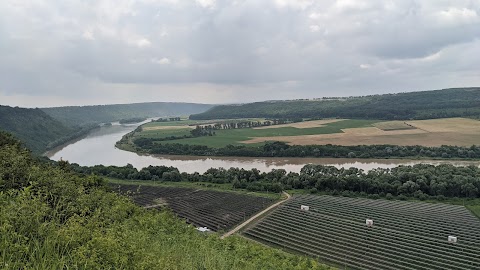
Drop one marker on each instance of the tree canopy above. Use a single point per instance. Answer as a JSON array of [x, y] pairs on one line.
[[459, 102]]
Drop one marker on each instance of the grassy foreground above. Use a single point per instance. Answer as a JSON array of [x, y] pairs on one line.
[[51, 218]]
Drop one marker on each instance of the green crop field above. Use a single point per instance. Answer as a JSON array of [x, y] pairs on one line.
[[237, 136], [405, 235]]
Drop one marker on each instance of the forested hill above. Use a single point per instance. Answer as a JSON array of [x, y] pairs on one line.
[[33, 127], [82, 115], [455, 102]]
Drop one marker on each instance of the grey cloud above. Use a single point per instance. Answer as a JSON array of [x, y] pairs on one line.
[[82, 49]]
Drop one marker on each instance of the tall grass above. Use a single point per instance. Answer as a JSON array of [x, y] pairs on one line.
[[51, 218]]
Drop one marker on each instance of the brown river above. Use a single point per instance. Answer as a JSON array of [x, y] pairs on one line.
[[99, 148]]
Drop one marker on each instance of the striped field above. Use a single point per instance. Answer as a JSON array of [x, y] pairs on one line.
[[405, 235]]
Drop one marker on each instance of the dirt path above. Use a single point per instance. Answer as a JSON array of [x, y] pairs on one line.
[[236, 229]]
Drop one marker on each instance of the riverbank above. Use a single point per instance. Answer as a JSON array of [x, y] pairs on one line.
[[98, 147]]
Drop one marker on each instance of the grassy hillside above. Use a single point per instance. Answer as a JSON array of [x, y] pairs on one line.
[[33, 127], [459, 102], [82, 115], [51, 218]]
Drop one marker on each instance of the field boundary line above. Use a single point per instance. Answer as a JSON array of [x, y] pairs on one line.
[[248, 221], [154, 206]]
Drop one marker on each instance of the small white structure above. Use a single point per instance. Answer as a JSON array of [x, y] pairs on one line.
[[452, 239], [304, 207], [203, 229], [369, 222]]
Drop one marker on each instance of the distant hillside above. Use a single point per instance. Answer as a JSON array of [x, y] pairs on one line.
[[33, 127], [458, 102], [82, 115]]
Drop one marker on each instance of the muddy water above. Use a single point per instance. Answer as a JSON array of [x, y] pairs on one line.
[[99, 148]]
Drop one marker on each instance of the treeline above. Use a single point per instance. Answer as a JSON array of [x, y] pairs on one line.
[[199, 131], [132, 120], [420, 181], [33, 127], [54, 218], [80, 132], [459, 102], [235, 124], [281, 149], [170, 119], [83, 115]]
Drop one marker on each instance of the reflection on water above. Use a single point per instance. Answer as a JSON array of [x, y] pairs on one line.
[[99, 148]]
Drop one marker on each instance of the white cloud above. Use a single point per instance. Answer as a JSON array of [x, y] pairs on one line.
[[261, 50], [88, 35], [432, 57], [365, 66], [162, 61], [315, 15], [295, 4], [350, 5], [143, 43], [458, 16], [314, 28], [206, 3]]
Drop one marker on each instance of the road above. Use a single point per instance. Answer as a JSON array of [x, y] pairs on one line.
[[239, 227]]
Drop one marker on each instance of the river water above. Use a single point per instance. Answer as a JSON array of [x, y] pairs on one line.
[[99, 148]]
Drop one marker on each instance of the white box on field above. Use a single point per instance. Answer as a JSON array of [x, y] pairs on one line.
[[452, 239], [369, 222], [304, 207], [203, 229]]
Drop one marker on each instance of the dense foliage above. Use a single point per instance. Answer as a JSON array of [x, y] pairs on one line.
[[420, 181], [37, 130], [53, 218], [82, 115], [462, 102], [281, 149], [132, 120]]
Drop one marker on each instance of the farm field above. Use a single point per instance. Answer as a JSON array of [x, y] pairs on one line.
[[223, 138], [215, 210], [435, 132], [405, 235]]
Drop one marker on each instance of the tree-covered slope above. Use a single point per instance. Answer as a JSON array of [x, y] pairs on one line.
[[82, 115], [33, 127], [52, 218], [458, 102]]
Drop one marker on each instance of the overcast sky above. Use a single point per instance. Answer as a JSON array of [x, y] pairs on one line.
[[57, 52]]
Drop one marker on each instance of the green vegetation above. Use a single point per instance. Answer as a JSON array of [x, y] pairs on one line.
[[223, 187], [219, 139], [44, 129], [37, 130], [405, 235], [132, 120], [422, 181], [224, 137], [281, 149], [459, 102], [83, 115], [53, 218], [475, 209]]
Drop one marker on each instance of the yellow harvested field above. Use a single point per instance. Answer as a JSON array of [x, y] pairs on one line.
[[306, 124], [167, 127], [450, 131], [393, 125], [462, 125]]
